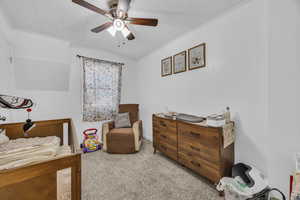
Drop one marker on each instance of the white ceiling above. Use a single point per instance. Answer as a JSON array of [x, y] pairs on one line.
[[66, 20]]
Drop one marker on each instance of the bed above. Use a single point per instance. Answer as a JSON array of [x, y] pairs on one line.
[[56, 178]]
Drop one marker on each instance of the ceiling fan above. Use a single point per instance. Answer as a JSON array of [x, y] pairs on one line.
[[118, 16]]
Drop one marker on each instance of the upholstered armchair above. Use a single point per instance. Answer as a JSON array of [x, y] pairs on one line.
[[123, 140]]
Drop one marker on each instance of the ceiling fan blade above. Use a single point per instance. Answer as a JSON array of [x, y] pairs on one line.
[[102, 27], [124, 5], [142, 21], [90, 7]]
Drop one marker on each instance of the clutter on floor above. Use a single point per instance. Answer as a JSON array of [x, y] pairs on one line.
[[247, 183]]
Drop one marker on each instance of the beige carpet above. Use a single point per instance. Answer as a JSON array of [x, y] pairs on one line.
[[141, 176]]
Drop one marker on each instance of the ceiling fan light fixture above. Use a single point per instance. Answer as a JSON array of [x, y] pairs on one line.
[[119, 19], [125, 32], [112, 31], [119, 24]]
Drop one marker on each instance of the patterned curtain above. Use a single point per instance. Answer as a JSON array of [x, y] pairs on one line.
[[101, 89]]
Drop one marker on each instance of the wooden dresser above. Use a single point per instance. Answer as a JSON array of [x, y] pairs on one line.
[[196, 146]]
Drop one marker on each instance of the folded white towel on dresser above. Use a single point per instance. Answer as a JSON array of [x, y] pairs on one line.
[[228, 134]]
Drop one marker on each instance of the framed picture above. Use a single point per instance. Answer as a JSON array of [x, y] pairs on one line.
[[179, 62], [166, 67], [197, 57]]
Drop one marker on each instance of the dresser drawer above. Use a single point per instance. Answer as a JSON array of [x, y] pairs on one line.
[[208, 137], [200, 166], [167, 149], [155, 122], [199, 150], [169, 138], [167, 125]]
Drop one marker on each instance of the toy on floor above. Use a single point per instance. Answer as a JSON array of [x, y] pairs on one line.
[[90, 141]]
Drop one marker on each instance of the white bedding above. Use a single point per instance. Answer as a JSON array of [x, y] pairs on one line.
[[19, 152]]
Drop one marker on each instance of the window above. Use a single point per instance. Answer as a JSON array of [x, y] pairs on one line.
[[101, 89]]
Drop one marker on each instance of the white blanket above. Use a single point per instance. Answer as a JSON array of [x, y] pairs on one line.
[[19, 152]]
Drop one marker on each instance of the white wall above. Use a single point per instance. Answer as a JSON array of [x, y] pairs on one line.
[[234, 76], [49, 104], [5, 50], [253, 67], [5, 28], [5, 66], [53, 104], [284, 108]]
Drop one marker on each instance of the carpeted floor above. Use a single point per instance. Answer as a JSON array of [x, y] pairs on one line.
[[141, 176]]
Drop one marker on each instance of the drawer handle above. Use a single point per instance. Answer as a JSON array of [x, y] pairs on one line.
[[196, 164], [163, 124], [195, 134], [195, 148], [163, 136]]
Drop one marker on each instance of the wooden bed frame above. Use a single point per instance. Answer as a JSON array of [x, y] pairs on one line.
[[38, 181]]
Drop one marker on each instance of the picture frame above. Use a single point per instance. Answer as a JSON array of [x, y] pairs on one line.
[[197, 57], [179, 62], [166, 66]]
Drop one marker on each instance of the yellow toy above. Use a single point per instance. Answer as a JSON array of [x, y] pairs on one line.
[[90, 141]]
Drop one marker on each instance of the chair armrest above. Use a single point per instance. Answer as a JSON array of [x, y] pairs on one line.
[[138, 134], [110, 125], [106, 128]]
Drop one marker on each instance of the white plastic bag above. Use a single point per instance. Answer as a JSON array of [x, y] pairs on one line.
[[234, 189]]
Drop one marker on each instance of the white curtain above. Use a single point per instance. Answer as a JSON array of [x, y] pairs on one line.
[[101, 89]]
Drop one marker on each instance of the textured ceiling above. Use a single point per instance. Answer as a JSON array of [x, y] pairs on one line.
[[66, 20]]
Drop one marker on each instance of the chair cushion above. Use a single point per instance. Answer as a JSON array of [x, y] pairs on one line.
[[122, 120], [122, 131], [121, 141]]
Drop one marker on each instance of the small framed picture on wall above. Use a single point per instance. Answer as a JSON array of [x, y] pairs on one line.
[[179, 62], [197, 57], [166, 67]]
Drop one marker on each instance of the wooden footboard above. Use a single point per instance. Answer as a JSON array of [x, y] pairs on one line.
[[39, 181]]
